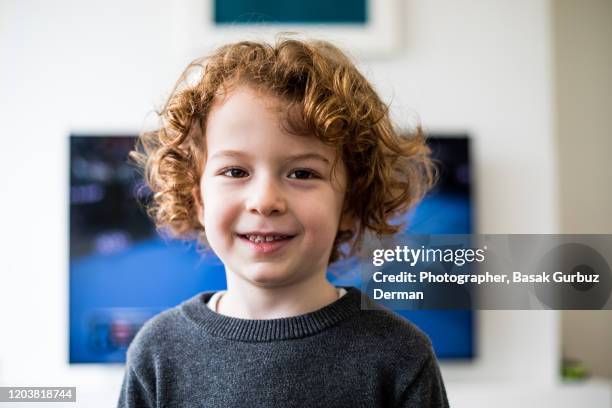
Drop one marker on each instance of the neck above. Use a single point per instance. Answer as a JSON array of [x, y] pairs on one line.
[[247, 301]]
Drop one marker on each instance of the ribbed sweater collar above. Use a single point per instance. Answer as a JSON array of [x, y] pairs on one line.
[[234, 328]]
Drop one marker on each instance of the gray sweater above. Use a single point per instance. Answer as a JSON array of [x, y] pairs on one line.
[[337, 356]]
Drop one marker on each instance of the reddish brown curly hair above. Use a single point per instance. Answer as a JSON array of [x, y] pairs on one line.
[[387, 173]]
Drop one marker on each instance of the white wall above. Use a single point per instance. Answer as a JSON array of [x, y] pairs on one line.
[[480, 66], [583, 83], [484, 67]]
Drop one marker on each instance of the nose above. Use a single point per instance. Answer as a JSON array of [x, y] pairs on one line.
[[266, 197]]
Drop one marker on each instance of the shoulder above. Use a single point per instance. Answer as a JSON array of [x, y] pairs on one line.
[[162, 335], [392, 330], [150, 337], [400, 353], [386, 339]]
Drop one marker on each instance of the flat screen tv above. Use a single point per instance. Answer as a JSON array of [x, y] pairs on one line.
[[122, 272]]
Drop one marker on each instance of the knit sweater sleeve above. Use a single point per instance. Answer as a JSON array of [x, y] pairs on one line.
[[427, 389], [134, 393]]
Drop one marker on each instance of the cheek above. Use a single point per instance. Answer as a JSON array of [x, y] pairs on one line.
[[219, 214], [321, 221]]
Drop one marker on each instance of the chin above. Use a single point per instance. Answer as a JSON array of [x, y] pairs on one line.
[[267, 278]]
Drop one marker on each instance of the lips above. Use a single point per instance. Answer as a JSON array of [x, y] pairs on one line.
[[266, 242], [265, 238]]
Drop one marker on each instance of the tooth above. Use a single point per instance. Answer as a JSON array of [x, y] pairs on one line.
[[260, 238]]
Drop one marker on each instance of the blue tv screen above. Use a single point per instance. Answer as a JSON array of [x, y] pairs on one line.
[[122, 272]]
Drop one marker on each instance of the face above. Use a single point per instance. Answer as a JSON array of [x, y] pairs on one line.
[[271, 205]]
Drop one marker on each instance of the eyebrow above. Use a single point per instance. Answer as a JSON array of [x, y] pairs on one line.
[[227, 153], [239, 154]]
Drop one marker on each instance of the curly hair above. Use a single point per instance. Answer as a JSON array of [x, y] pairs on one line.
[[387, 172]]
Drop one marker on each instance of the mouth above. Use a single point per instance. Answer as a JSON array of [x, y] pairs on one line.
[[265, 237], [265, 243]]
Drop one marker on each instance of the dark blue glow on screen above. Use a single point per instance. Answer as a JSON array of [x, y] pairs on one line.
[[122, 273]]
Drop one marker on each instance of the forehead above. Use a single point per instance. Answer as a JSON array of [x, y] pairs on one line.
[[246, 119]]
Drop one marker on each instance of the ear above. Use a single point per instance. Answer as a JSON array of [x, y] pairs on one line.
[[197, 199]]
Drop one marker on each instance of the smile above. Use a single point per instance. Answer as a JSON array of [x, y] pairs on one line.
[[268, 238], [265, 244]]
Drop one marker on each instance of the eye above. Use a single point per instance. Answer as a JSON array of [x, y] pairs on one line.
[[303, 174], [235, 172]]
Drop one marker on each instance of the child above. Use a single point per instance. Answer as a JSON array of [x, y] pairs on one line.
[[280, 158]]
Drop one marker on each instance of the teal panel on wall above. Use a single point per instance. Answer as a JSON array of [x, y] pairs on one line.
[[290, 12]]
